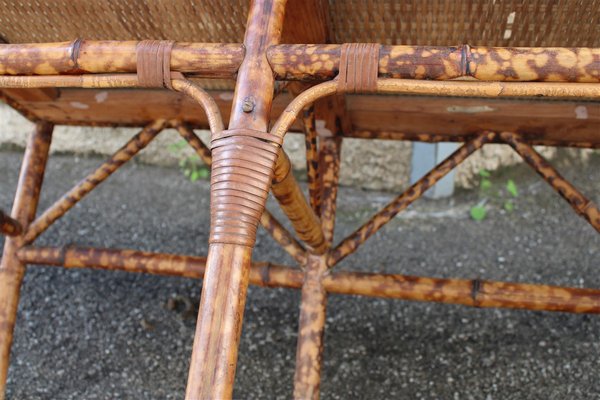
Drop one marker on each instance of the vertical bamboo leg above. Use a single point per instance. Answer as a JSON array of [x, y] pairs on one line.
[[24, 209], [309, 352], [234, 219]]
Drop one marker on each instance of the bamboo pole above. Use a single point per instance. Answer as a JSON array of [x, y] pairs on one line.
[[474, 293], [292, 201], [209, 60], [358, 237], [312, 158], [84, 187], [582, 205], [214, 356], [12, 269], [315, 62], [311, 61]]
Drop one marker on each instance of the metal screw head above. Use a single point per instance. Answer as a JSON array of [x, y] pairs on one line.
[[248, 104]]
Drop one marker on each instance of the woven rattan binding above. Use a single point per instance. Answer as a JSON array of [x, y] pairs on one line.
[[242, 170], [359, 64], [154, 63]]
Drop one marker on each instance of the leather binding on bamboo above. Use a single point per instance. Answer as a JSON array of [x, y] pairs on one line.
[[359, 63], [154, 63], [242, 170]]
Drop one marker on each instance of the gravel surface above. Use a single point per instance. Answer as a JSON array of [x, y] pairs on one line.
[[84, 334]]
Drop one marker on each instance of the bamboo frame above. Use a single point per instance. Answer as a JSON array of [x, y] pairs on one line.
[[569, 73], [472, 293]]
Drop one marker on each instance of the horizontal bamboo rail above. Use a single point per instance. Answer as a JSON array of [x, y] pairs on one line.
[[321, 62], [446, 88], [475, 293], [9, 226], [209, 60], [311, 61]]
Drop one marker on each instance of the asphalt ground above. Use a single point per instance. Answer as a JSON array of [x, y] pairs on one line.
[[89, 334]]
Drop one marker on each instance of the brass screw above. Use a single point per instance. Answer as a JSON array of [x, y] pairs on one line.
[[248, 104]]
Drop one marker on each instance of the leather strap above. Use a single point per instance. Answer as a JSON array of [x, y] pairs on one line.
[[359, 65], [154, 63]]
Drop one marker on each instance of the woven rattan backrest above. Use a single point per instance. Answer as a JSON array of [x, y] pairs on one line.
[[570, 23], [532, 23]]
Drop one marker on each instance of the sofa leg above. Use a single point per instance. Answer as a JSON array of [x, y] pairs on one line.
[[12, 269]]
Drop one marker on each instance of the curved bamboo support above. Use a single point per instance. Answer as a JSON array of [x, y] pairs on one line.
[[468, 292], [208, 60], [215, 121], [446, 88]]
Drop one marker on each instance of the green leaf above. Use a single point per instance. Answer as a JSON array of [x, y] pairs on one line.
[[509, 205], [478, 212], [485, 184], [484, 173], [194, 176], [187, 172], [512, 188], [203, 173]]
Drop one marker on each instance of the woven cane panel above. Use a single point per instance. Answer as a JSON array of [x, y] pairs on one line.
[[32, 21], [528, 23]]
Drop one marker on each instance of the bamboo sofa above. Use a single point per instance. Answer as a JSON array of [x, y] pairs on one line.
[[398, 70]]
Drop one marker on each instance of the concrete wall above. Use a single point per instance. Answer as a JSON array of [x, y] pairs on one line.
[[373, 164]]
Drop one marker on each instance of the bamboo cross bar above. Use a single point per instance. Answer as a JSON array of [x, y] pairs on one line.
[[67, 201], [474, 293], [311, 61], [100, 57], [320, 62]]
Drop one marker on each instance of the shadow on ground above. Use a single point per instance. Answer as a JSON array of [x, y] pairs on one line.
[[85, 334]]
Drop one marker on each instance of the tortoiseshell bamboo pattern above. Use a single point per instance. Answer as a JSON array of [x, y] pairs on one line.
[[321, 62], [12, 269], [80, 56], [297, 61], [473, 293], [214, 354], [312, 158], [73, 196], [352, 242], [9, 226], [582, 205]]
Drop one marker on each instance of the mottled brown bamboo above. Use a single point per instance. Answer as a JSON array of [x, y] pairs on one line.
[[312, 158], [352, 242], [270, 223], [214, 356], [73, 196], [311, 61], [293, 203], [9, 226], [12, 269], [474, 293], [208, 60], [581, 204], [322, 62], [330, 151], [311, 328]]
